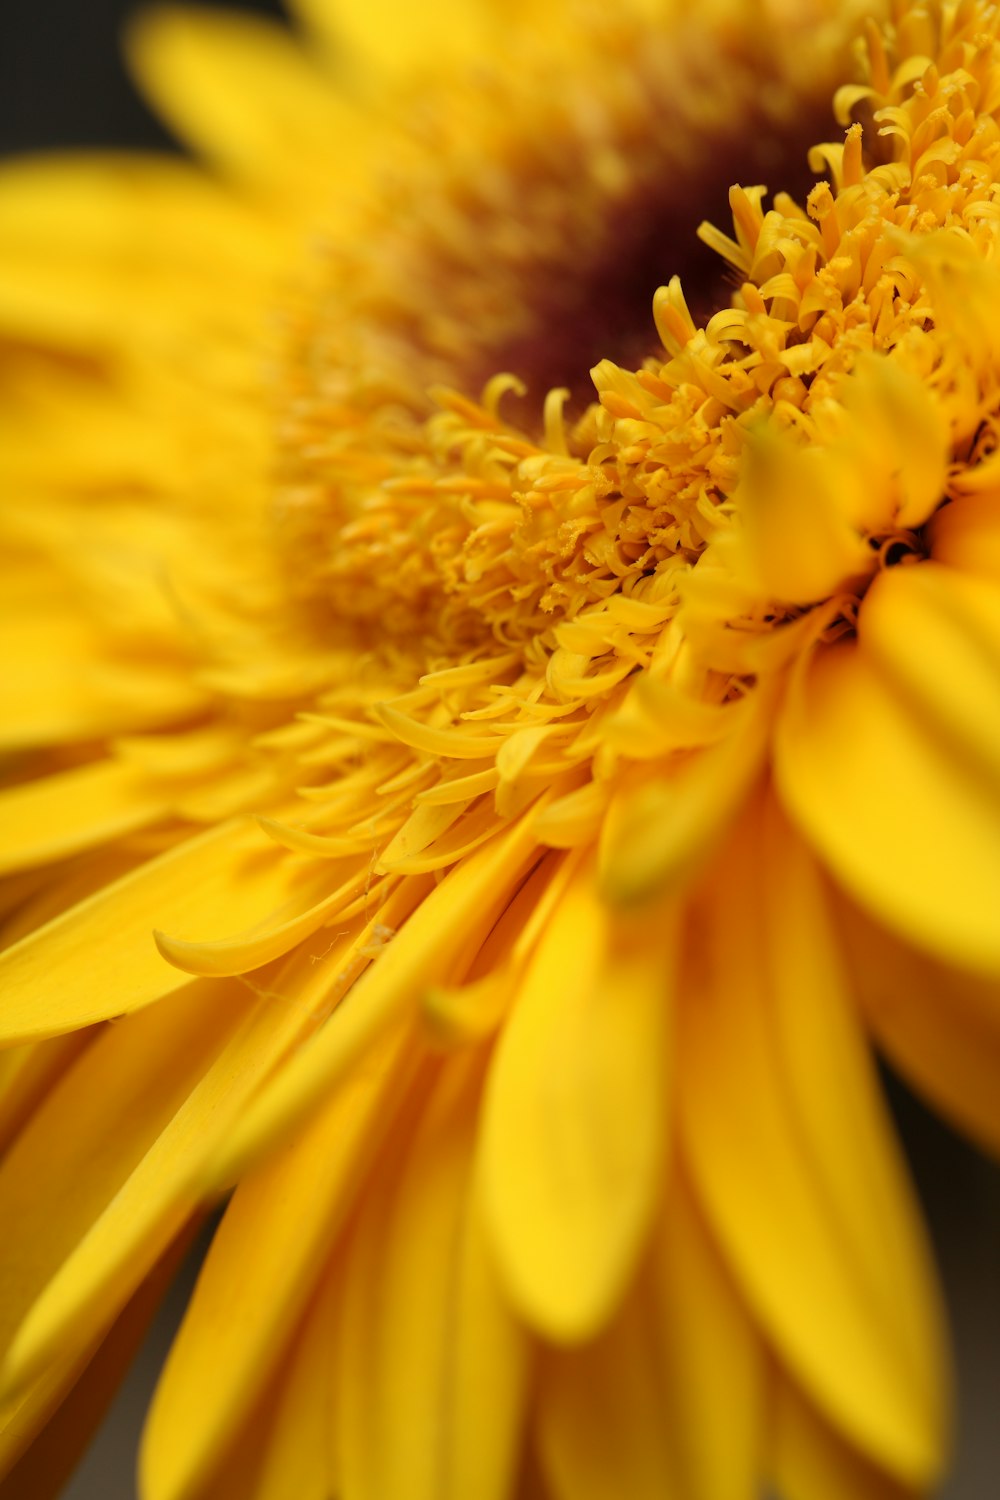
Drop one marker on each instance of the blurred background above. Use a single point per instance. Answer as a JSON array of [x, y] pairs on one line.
[[62, 84]]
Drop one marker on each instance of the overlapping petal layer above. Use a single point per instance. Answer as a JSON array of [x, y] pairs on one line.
[[548, 794]]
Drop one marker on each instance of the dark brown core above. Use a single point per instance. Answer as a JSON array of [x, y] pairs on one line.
[[539, 213]]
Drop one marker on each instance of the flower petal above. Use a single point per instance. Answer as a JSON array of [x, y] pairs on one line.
[[935, 635], [452, 917], [259, 1273], [119, 1097], [298, 1454], [890, 808], [966, 534], [639, 1411], [58, 815], [432, 1386], [82, 1390], [61, 686], [239, 88], [575, 1117], [395, 37], [793, 1159], [940, 1026], [99, 959], [810, 1461]]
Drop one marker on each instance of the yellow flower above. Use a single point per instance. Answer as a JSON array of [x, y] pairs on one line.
[[538, 800]]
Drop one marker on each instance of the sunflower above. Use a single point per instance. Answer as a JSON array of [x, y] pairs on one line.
[[482, 812]]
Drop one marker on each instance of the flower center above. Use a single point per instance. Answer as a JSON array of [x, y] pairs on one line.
[[525, 229]]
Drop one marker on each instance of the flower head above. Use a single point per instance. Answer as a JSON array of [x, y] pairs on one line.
[[540, 784]]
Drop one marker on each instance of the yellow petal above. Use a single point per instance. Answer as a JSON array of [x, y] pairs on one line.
[[940, 1026], [292, 922], [576, 1113], [841, 1114], [299, 1455], [935, 636], [240, 89], [799, 541], [131, 211], [639, 1411], [393, 37], [28, 1073], [129, 1231], [105, 251], [99, 958], [90, 1135], [899, 442], [69, 1404], [775, 1156], [606, 1426], [711, 1353], [658, 832], [59, 815], [448, 919], [60, 686], [259, 1273], [432, 1378], [966, 534], [893, 811], [810, 1461]]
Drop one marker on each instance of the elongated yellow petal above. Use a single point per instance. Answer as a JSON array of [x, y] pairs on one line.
[[639, 1412], [657, 833], [120, 1239], [605, 1423], [300, 1455], [27, 1073], [99, 958], [767, 1147], [120, 1096], [842, 1117], [259, 1273], [60, 687], [966, 534], [238, 88], [935, 635], [60, 815], [131, 212], [711, 1353], [272, 937], [393, 37], [44, 1468], [432, 1386], [105, 251], [940, 1026], [810, 1461], [890, 808], [452, 917], [574, 1129], [799, 541], [43, 1430]]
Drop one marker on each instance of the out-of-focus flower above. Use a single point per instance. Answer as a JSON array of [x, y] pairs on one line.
[[538, 800]]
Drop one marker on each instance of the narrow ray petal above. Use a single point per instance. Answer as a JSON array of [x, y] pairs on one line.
[[939, 1025], [240, 90], [810, 1461], [59, 815], [99, 958], [259, 1273], [890, 808], [767, 1151], [432, 1387], [451, 918], [574, 1128]]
